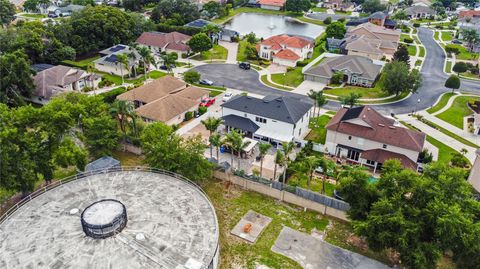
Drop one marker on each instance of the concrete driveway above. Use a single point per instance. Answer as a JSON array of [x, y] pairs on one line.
[[312, 253]]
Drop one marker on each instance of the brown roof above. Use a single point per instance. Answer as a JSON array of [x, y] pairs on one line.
[[377, 128], [154, 90], [278, 41], [278, 3], [192, 93], [376, 31], [381, 155], [166, 108], [52, 80], [469, 13], [174, 40]]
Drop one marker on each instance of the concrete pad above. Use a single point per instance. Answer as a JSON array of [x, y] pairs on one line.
[[305, 87], [258, 223], [276, 69], [312, 253]]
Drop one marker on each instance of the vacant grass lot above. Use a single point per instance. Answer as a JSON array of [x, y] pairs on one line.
[[117, 80], [318, 133], [459, 109], [292, 78], [441, 103], [216, 53]]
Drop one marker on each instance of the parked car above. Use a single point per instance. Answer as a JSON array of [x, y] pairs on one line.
[[207, 102], [227, 96], [244, 65], [456, 41], [205, 82]]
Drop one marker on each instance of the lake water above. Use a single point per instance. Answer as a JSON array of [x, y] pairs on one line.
[[268, 25]]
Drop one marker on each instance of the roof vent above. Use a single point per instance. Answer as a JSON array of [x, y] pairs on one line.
[[381, 125]]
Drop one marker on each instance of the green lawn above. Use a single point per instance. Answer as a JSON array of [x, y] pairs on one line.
[[291, 78], [469, 75], [117, 80], [451, 134], [436, 35], [232, 203], [464, 53], [33, 15], [418, 62], [266, 82], [403, 36], [216, 53], [315, 185], [318, 133], [443, 101], [455, 114], [82, 64], [448, 67], [421, 53], [218, 88], [412, 50], [375, 92], [447, 36]]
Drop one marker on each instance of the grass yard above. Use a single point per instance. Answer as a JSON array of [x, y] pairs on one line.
[[464, 53], [128, 159], [268, 83], [403, 36], [421, 53], [218, 88], [436, 36], [455, 114], [448, 67], [230, 207], [117, 80], [469, 75], [418, 62], [242, 44], [441, 103], [315, 184], [291, 78], [33, 15], [447, 36], [214, 93], [451, 134], [412, 50], [216, 53], [82, 64], [367, 93], [319, 9], [318, 133]]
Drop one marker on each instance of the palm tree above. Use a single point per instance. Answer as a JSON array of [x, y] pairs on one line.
[[211, 124], [287, 148], [320, 101], [90, 69], [313, 95], [326, 165], [133, 57], [472, 38], [216, 141], [234, 141], [278, 160], [311, 162], [169, 60], [146, 56], [121, 110], [123, 60], [263, 147]]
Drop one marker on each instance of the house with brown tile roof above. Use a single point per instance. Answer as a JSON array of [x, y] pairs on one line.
[[166, 99], [164, 42], [272, 4], [286, 49], [363, 135]]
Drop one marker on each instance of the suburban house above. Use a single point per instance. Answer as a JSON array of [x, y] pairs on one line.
[[378, 18], [356, 70], [166, 100], [339, 5], [362, 135], [425, 3], [371, 41], [419, 12], [273, 119], [51, 80], [108, 62], [286, 49], [63, 11], [224, 34], [165, 42], [271, 4]]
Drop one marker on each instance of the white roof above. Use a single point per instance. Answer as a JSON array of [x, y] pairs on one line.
[[274, 134], [251, 145]]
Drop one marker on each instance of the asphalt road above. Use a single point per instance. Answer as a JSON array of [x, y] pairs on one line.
[[231, 76]]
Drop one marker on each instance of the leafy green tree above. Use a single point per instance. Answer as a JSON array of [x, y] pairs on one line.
[[402, 54], [460, 67], [181, 11], [251, 52], [471, 36], [31, 5], [297, 6], [169, 60], [327, 20], [101, 135], [337, 77], [234, 140], [166, 150], [216, 141], [453, 82], [200, 42], [326, 165], [350, 99], [211, 124], [147, 58], [16, 82], [123, 111], [400, 15], [7, 12], [371, 6], [263, 148], [398, 78], [191, 76], [287, 149], [279, 159], [336, 30], [251, 38], [311, 163]]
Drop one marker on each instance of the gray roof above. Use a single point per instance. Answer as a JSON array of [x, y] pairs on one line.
[[355, 64], [378, 15], [281, 108], [241, 123], [103, 163], [419, 9]]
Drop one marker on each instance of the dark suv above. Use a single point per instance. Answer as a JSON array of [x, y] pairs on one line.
[[244, 65]]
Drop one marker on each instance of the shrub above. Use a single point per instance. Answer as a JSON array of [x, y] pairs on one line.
[[337, 78], [342, 19], [202, 110], [439, 26], [290, 69], [110, 96], [191, 76], [425, 156], [327, 20], [188, 115], [138, 84], [184, 55], [459, 160], [452, 49], [302, 63], [408, 40], [416, 25]]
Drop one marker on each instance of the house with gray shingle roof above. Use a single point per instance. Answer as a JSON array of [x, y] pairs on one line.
[[419, 12], [357, 70], [272, 119]]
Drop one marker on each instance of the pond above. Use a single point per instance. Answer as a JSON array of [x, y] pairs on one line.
[[268, 25]]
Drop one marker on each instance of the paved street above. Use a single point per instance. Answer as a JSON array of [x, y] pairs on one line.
[[231, 76]]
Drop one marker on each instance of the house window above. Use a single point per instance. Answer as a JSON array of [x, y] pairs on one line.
[[369, 162], [261, 120], [300, 131], [349, 137], [384, 146], [353, 155]]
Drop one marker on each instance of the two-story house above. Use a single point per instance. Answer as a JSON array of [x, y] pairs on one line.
[[109, 63], [272, 119], [363, 135], [159, 42], [286, 49]]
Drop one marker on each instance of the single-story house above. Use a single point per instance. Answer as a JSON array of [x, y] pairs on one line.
[[64, 11], [109, 63], [272, 119], [224, 34], [339, 5], [363, 135], [379, 18], [159, 42], [356, 70], [166, 100], [419, 12], [286, 49], [272, 4], [52, 80]]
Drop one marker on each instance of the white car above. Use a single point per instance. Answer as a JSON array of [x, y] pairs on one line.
[[227, 96]]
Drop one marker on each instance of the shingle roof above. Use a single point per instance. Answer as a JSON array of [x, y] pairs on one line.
[[153, 90], [374, 29], [166, 108], [281, 108], [469, 13], [378, 15], [380, 128], [419, 9], [52, 80], [173, 40], [240, 123], [381, 155], [355, 64]]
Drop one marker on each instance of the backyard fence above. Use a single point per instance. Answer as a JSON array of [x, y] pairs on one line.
[[290, 194]]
